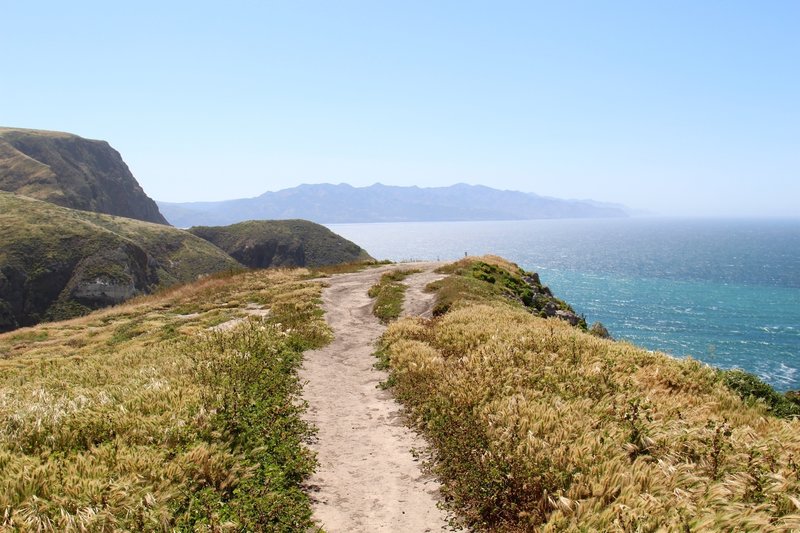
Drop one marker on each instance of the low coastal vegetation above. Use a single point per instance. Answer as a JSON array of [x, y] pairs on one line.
[[389, 294], [346, 268], [753, 390], [178, 411], [536, 425], [181, 411], [491, 278]]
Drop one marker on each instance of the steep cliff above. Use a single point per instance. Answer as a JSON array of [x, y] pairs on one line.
[[71, 171]]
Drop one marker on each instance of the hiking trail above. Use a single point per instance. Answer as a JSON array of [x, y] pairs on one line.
[[368, 479]]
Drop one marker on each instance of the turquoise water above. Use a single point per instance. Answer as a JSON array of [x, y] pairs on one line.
[[724, 291]]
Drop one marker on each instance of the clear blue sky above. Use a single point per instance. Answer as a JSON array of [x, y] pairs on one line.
[[680, 107]]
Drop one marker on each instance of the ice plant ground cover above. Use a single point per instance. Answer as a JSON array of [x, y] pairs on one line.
[[149, 416], [535, 424]]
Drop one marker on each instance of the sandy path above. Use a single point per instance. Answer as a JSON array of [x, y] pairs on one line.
[[367, 479], [417, 301]]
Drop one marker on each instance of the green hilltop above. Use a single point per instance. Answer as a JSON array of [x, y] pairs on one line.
[[274, 243]]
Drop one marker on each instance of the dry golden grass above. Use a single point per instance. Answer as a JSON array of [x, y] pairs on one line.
[[139, 418], [536, 425]]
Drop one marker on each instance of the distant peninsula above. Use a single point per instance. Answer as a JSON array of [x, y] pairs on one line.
[[342, 203]]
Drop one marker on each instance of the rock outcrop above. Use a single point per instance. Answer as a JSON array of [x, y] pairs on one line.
[[74, 172]]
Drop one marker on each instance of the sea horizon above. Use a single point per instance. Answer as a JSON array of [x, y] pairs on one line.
[[721, 290]]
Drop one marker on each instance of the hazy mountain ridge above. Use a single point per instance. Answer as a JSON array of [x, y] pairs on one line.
[[73, 172], [327, 203]]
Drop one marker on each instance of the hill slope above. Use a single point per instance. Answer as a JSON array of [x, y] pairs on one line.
[[57, 262], [270, 243], [133, 419], [71, 171], [535, 425], [129, 419], [327, 203]]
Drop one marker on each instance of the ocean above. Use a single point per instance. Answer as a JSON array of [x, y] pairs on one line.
[[726, 292]]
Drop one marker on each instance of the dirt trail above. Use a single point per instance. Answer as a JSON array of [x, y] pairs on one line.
[[367, 479]]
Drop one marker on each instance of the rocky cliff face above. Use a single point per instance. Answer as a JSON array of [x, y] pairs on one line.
[[104, 272], [56, 263], [74, 172]]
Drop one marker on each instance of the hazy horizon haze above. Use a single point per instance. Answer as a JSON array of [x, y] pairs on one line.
[[677, 108]]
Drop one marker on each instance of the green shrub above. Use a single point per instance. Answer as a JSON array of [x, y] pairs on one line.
[[751, 389]]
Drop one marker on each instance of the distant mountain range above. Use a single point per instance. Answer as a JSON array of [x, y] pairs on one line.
[[326, 203]]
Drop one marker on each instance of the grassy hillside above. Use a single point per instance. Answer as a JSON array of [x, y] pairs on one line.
[[172, 412], [491, 278], [57, 263], [71, 171], [271, 243], [537, 425]]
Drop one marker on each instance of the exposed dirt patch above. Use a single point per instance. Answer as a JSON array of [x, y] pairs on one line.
[[251, 310], [417, 301]]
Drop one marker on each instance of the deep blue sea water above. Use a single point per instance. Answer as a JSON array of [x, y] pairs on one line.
[[726, 292]]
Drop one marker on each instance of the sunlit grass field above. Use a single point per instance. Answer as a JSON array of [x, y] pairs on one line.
[[537, 425], [175, 411], [180, 411]]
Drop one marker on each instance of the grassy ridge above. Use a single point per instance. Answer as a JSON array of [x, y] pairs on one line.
[[39, 231], [492, 278], [389, 293], [536, 425], [276, 243], [140, 417]]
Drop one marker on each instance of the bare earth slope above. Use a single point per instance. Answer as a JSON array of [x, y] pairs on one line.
[[367, 479]]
